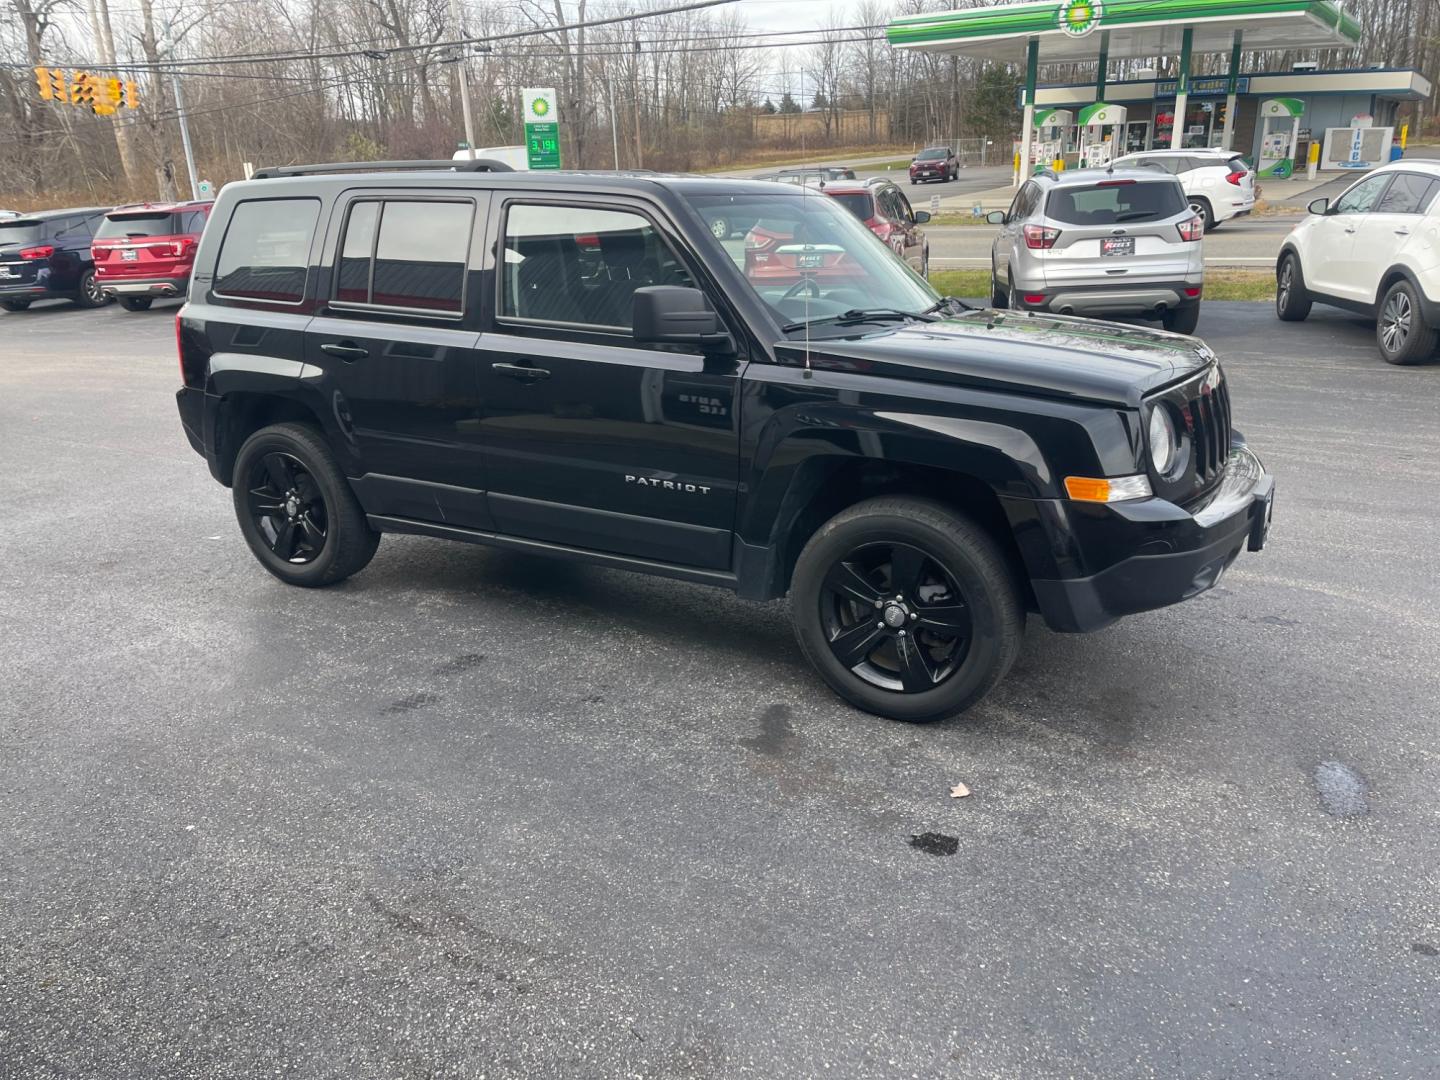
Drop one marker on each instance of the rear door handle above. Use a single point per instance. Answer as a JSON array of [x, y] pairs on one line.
[[1349, 229], [348, 350], [523, 372]]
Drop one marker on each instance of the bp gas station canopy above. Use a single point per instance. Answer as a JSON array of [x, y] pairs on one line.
[[1069, 31]]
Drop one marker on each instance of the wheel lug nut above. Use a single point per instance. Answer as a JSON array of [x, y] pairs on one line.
[[880, 625], [879, 604], [902, 633]]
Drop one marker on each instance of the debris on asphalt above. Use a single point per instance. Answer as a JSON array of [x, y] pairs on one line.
[[959, 791]]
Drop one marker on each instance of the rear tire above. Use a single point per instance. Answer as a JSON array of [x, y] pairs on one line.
[[1401, 331], [14, 305], [1206, 212], [941, 647], [289, 468], [1292, 302], [999, 299], [136, 303], [90, 295], [1181, 320]]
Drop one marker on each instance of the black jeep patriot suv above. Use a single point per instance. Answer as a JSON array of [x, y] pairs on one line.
[[574, 364]]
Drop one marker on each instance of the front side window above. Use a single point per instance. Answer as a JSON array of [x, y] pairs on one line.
[[581, 265], [266, 250], [406, 254], [807, 258], [1407, 194], [1361, 198]]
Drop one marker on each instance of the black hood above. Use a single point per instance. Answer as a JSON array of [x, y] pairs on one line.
[[1054, 355]]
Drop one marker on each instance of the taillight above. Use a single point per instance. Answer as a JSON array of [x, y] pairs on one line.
[[1114, 183], [1234, 178], [1040, 237], [1193, 229], [44, 251], [180, 247], [1192, 292]]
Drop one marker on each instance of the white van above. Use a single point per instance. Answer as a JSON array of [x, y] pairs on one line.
[[514, 156]]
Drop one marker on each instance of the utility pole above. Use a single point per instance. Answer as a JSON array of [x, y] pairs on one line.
[[463, 73], [185, 137], [614, 124]]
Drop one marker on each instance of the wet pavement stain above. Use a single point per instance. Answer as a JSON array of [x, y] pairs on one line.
[[411, 703], [1343, 791], [458, 665], [776, 735], [934, 843], [1424, 949]]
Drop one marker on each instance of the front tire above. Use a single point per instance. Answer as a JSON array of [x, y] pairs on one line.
[[1181, 320], [296, 509], [1401, 331], [906, 608], [1292, 302], [136, 303]]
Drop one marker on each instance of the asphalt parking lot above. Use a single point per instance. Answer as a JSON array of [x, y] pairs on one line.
[[471, 814]]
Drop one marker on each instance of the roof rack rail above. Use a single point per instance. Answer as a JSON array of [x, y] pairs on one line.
[[270, 172], [1047, 171]]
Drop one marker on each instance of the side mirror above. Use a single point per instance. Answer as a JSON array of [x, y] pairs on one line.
[[996, 217], [922, 216], [1319, 206], [675, 315]]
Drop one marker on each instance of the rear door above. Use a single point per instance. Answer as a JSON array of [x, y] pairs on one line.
[[394, 331], [595, 440], [912, 242], [1011, 236], [1116, 228]]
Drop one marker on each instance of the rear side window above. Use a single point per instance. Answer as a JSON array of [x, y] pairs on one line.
[[1116, 201], [857, 202], [266, 250], [121, 226], [406, 254], [1407, 194], [192, 222]]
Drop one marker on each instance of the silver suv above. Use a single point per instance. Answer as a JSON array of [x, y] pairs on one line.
[[1113, 242]]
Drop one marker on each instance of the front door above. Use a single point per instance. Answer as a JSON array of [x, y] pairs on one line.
[[397, 346], [1336, 270], [594, 440], [1389, 225]]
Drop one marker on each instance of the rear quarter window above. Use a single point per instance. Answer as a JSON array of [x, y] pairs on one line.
[[1116, 202], [857, 202], [265, 254]]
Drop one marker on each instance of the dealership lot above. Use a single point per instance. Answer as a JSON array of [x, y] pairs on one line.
[[475, 814]]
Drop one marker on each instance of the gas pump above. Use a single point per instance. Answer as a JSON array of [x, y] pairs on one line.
[[1050, 125], [1100, 125], [1279, 133]]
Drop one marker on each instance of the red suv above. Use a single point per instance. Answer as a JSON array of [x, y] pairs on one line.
[[934, 163], [146, 251], [886, 212]]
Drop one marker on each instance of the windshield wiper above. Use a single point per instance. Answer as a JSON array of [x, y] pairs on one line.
[[1134, 215], [859, 315], [954, 303]]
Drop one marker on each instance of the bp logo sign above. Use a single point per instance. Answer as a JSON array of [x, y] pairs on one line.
[[539, 107], [1078, 17]]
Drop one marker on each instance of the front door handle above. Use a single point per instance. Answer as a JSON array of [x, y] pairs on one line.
[[1402, 232], [1349, 228], [347, 350], [523, 372]]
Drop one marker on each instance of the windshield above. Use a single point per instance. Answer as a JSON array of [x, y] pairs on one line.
[[857, 202], [1112, 202], [809, 259], [151, 223], [20, 232], [931, 153]]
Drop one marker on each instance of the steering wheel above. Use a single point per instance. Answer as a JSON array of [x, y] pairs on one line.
[[803, 283]]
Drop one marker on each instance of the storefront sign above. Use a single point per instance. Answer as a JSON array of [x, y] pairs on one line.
[[1204, 87], [542, 127]]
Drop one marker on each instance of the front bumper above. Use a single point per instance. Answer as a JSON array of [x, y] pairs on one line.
[[1132, 298], [1176, 554]]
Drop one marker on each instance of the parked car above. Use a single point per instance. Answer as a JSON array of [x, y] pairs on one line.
[[886, 212], [1220, 184], [1373, 250], [147, 251], [46, 256], [913, 474], [934, 163], [9, 214], [1101, 242]]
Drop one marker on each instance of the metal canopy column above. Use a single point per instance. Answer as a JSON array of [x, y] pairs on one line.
[[1230, 87], [1100, 72], [1032, 65], [1182, 90]]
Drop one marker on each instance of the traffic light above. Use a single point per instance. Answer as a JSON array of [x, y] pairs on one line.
[[109, 97], [42, 82], [51, 84], [132, 96], [82, 90]]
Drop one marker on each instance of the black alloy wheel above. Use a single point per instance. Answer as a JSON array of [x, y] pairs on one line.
[[288, 508], [91, 294], [895, 617]]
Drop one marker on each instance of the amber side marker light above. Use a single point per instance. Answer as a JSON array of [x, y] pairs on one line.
[[1107, 490]]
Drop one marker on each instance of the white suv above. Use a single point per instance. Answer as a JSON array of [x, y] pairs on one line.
[[1218, 183], [1375, 250]]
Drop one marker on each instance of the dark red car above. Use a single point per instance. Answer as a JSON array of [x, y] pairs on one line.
[[934, 163], [886, 212], [147, 251]]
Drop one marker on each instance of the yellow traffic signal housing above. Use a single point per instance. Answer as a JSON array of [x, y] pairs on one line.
[[42, 82], [82, 91], [132, 96], [109, 97], [51, 84]]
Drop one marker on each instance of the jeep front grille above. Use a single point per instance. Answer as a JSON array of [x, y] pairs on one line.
[[1207, 415]]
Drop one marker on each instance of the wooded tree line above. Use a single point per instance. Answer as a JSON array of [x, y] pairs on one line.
[[368, 79]]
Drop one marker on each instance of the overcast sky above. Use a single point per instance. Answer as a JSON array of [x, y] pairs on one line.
[[789, 14]]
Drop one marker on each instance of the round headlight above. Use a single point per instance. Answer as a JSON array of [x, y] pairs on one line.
[[1162, 440]]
